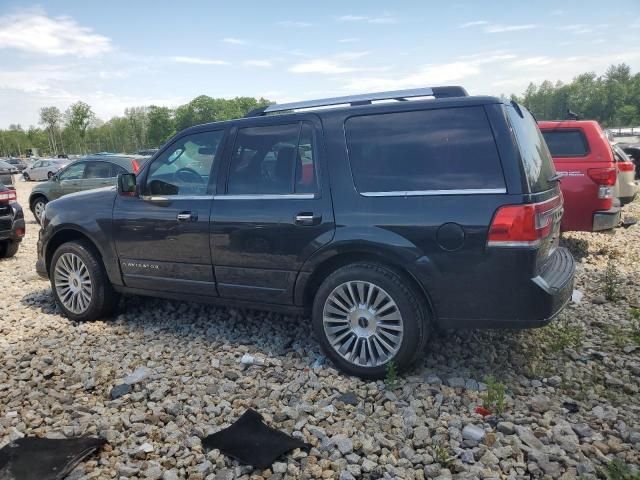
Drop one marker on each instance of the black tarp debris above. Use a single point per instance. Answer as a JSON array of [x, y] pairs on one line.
[[33, 458], [252, 442]]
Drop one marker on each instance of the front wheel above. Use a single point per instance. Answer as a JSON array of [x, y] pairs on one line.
[[79, 282], [38, 208], [367, 316], [49, 175], [25, 175]]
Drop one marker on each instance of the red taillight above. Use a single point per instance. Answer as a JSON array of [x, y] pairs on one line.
[[523, 225], [603, 176], [7, 196], [626, 166], [135, 165]]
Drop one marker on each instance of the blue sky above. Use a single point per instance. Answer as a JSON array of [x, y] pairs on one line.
[[119, 54]]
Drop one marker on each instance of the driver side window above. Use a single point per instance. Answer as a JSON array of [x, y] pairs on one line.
[[184, 168], [74, 172]]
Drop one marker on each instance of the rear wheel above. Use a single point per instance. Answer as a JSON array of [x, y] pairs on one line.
[[8, 248], [79, 282], [49, 175], [38, 207], [366, 316]]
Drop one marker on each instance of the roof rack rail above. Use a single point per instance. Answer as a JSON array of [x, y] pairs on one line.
[[365, 99]]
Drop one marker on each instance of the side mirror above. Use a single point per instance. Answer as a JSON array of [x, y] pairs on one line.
[[127, 184]]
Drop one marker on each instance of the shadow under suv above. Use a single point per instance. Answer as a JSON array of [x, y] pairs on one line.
[[380, 219]]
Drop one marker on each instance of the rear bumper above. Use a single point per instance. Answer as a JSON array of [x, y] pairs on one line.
[[533, 303], [606, 219], [11, 224]]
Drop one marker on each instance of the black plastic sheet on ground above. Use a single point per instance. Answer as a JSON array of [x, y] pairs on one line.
[[33, 458], [252, 442]]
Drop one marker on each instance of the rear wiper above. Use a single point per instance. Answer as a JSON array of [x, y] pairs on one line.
[[556, 177]]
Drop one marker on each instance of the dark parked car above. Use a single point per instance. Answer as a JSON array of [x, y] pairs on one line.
[[7, 171], [381, 220], [17, 163], [11, 222], [89, 172]]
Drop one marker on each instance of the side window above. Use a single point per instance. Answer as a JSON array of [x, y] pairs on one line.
[[74, 172], [443, 149], [37, 164], [276, 159], [566, 143], [184, 167], [117, 170], [97, 170]]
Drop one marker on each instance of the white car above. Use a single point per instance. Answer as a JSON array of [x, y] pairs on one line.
[[45, 168]]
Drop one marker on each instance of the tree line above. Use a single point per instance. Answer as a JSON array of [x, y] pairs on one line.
[[78, 131], [613, 99]]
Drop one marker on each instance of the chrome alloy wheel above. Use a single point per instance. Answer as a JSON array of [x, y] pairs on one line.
[[73, 283], [362, 323], [38, 210]]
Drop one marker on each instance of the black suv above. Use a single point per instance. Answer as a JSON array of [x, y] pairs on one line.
[[380, 219]]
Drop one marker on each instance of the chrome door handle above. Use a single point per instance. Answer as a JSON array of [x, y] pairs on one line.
[[307, 219], [187, 217]]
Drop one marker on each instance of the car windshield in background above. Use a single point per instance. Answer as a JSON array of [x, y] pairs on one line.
[[566, 143], [536, 160], [6, 166]]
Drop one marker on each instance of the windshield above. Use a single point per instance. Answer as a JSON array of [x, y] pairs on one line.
[[536, 159]]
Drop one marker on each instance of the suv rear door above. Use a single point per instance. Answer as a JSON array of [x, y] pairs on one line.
[[273, 208]]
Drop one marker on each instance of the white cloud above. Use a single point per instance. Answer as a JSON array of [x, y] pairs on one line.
[[508, 28], [321, 66], [198, 61], [258, 63], [532, 62], [234, 41], [294, 24], [33, 31], [380, 20], [475, 23], [427, 76], [348, 40]]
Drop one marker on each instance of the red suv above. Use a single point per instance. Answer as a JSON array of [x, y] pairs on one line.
[[583, 156]]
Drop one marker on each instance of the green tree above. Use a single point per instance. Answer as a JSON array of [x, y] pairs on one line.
[[160, 125], [78, 118], [51, 117]]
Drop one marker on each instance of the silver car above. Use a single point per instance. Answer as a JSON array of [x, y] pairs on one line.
[[44, 168]]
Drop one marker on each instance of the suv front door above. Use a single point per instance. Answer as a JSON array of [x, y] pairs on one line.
[[162, 234], [273, 209]]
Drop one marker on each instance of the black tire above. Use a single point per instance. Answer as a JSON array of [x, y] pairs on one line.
[[103, 298], [415, 319], [49, 175], [34, 208], [26, 177], [8, 248]]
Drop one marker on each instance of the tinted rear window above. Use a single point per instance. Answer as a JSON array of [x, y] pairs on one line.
[[536, 159], [444, 149], [566, 143]]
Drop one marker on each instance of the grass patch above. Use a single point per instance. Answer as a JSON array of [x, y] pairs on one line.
[[618, 470], [391, 379], [612, 281], [494, 399]]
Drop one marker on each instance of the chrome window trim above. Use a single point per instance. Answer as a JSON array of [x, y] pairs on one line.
[[418, 193], [267, 196], [167, 198]]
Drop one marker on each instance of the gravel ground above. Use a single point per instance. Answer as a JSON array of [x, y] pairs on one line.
[[571, 402]]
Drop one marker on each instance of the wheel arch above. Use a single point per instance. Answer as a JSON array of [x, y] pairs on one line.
[[34, 196], [305, 289], [64, 236]]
